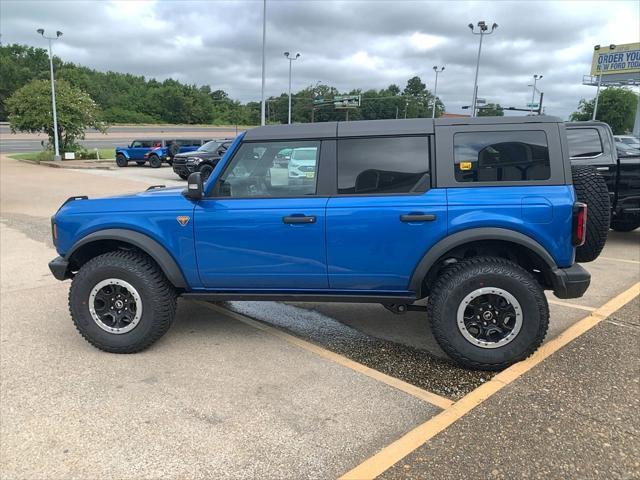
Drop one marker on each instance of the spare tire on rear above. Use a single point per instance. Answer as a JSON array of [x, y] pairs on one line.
[[592, 189]]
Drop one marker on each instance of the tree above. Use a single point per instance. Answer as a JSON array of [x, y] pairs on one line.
[[490, 110], [616, 107], [29, 110]]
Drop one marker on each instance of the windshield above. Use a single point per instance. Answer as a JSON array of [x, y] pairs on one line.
[[210, 147]]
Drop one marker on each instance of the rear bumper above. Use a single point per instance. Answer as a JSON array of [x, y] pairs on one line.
[[570, 282], [60, 268]]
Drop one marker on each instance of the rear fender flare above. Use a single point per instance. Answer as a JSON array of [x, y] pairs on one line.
[[473, 235]]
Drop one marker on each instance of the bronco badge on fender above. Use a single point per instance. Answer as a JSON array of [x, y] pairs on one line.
[[183, 219]]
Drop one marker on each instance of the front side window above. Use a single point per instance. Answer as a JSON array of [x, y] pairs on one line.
[[584, 142], [384, 165], [501, 156], [256, 170]]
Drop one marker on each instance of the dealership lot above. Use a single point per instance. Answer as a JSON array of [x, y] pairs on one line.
[[306, 391]]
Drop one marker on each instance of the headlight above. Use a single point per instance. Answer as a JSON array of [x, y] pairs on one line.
[[194, 160]]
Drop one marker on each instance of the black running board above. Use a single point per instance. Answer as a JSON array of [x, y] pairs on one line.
[[299, 297]]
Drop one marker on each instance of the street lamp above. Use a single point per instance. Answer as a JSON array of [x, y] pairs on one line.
[[53, 92], [483, 29], [595, 107], [435, 90], [536, 77], [264, 43], [291, 59]]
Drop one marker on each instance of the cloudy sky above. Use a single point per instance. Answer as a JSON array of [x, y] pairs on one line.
[[348, 44]]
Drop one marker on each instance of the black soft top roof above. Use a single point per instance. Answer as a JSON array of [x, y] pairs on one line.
[[363, 128]]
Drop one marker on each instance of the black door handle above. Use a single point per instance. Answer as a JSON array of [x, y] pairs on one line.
[[299, 219], [418, 217]]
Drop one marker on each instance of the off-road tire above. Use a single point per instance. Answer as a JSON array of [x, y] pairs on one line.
[[591, 189], [625, 224], [154, 161], [464, 277], [121, 160], [183, 176], [205, 171], [140, 163], [158, 298]]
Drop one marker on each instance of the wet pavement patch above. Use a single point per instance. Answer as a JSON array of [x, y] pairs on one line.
[[407, 363]]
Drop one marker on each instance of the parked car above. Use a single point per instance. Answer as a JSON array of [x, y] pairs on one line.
[[167, 151], [154, 151], [302, 163], [477, 215], [136, 151], [629, 140], [625, 150], [592, 144], [202, 160]]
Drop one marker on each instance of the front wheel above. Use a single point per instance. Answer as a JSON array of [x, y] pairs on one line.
[[205, 172], [121, 302], [488, 313], [154, 161], [121, 160], [183, 176]]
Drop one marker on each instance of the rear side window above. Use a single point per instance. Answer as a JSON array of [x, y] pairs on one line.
[[384, 165], [501, 156], [584, 142]]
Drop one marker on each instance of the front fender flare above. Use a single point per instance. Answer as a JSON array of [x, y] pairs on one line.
[[145, 243], [123, 152], [473, 235]]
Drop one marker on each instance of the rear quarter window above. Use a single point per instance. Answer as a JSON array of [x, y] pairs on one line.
[[501, 156], [584, 142]]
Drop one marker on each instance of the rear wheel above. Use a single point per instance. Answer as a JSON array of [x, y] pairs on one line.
[[488, 313], [591, 189], [154, 161], [121, 160], [625, 224], [121, 302]]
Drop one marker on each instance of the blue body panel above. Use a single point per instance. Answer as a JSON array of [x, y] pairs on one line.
[[543, 213], [369, 248], [154, 215], [243, 243]]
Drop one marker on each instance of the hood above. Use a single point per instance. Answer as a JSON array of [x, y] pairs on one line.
[[157, 199], [197, 153]]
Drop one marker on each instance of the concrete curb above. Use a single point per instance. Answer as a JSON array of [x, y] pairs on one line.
[[67, 166]]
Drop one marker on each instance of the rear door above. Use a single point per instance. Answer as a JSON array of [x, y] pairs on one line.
[[384, 216]]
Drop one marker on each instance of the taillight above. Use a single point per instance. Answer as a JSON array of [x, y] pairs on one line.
[[579, 224]]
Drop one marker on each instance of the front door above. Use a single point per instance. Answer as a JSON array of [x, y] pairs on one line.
[[263, 229]]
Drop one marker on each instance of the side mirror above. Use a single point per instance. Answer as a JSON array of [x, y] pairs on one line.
[[194, 188]]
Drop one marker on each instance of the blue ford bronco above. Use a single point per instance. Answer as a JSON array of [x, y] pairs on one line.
[[477, 216], [154, 151]]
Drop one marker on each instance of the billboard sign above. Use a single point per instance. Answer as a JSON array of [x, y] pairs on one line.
[[622, 59]]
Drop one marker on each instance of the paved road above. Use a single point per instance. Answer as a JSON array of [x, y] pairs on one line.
[[219, 398], [118, 135]]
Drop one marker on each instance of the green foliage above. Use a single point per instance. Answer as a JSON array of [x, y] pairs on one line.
[[126, 98], [616, 107], [29, 110], [491, 110]]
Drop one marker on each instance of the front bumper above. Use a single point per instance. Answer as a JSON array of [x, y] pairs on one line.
[[570, 282], [184, 169], [60, 268]]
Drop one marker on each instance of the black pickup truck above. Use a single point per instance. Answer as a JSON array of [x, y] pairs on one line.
[[592, 143]]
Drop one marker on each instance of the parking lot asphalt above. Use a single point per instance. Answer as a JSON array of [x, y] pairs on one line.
[[218, 397]]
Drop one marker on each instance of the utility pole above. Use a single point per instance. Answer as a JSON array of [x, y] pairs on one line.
[[595, 106], [536, 77], [291, 59], [56, 157], [435, 91], [482, 31], [264, 43]]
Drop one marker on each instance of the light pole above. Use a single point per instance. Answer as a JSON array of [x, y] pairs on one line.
[[536, 77], [264, 43], [435, 90], [483, 30], [291, 59], [595, 106], [53, 92]]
